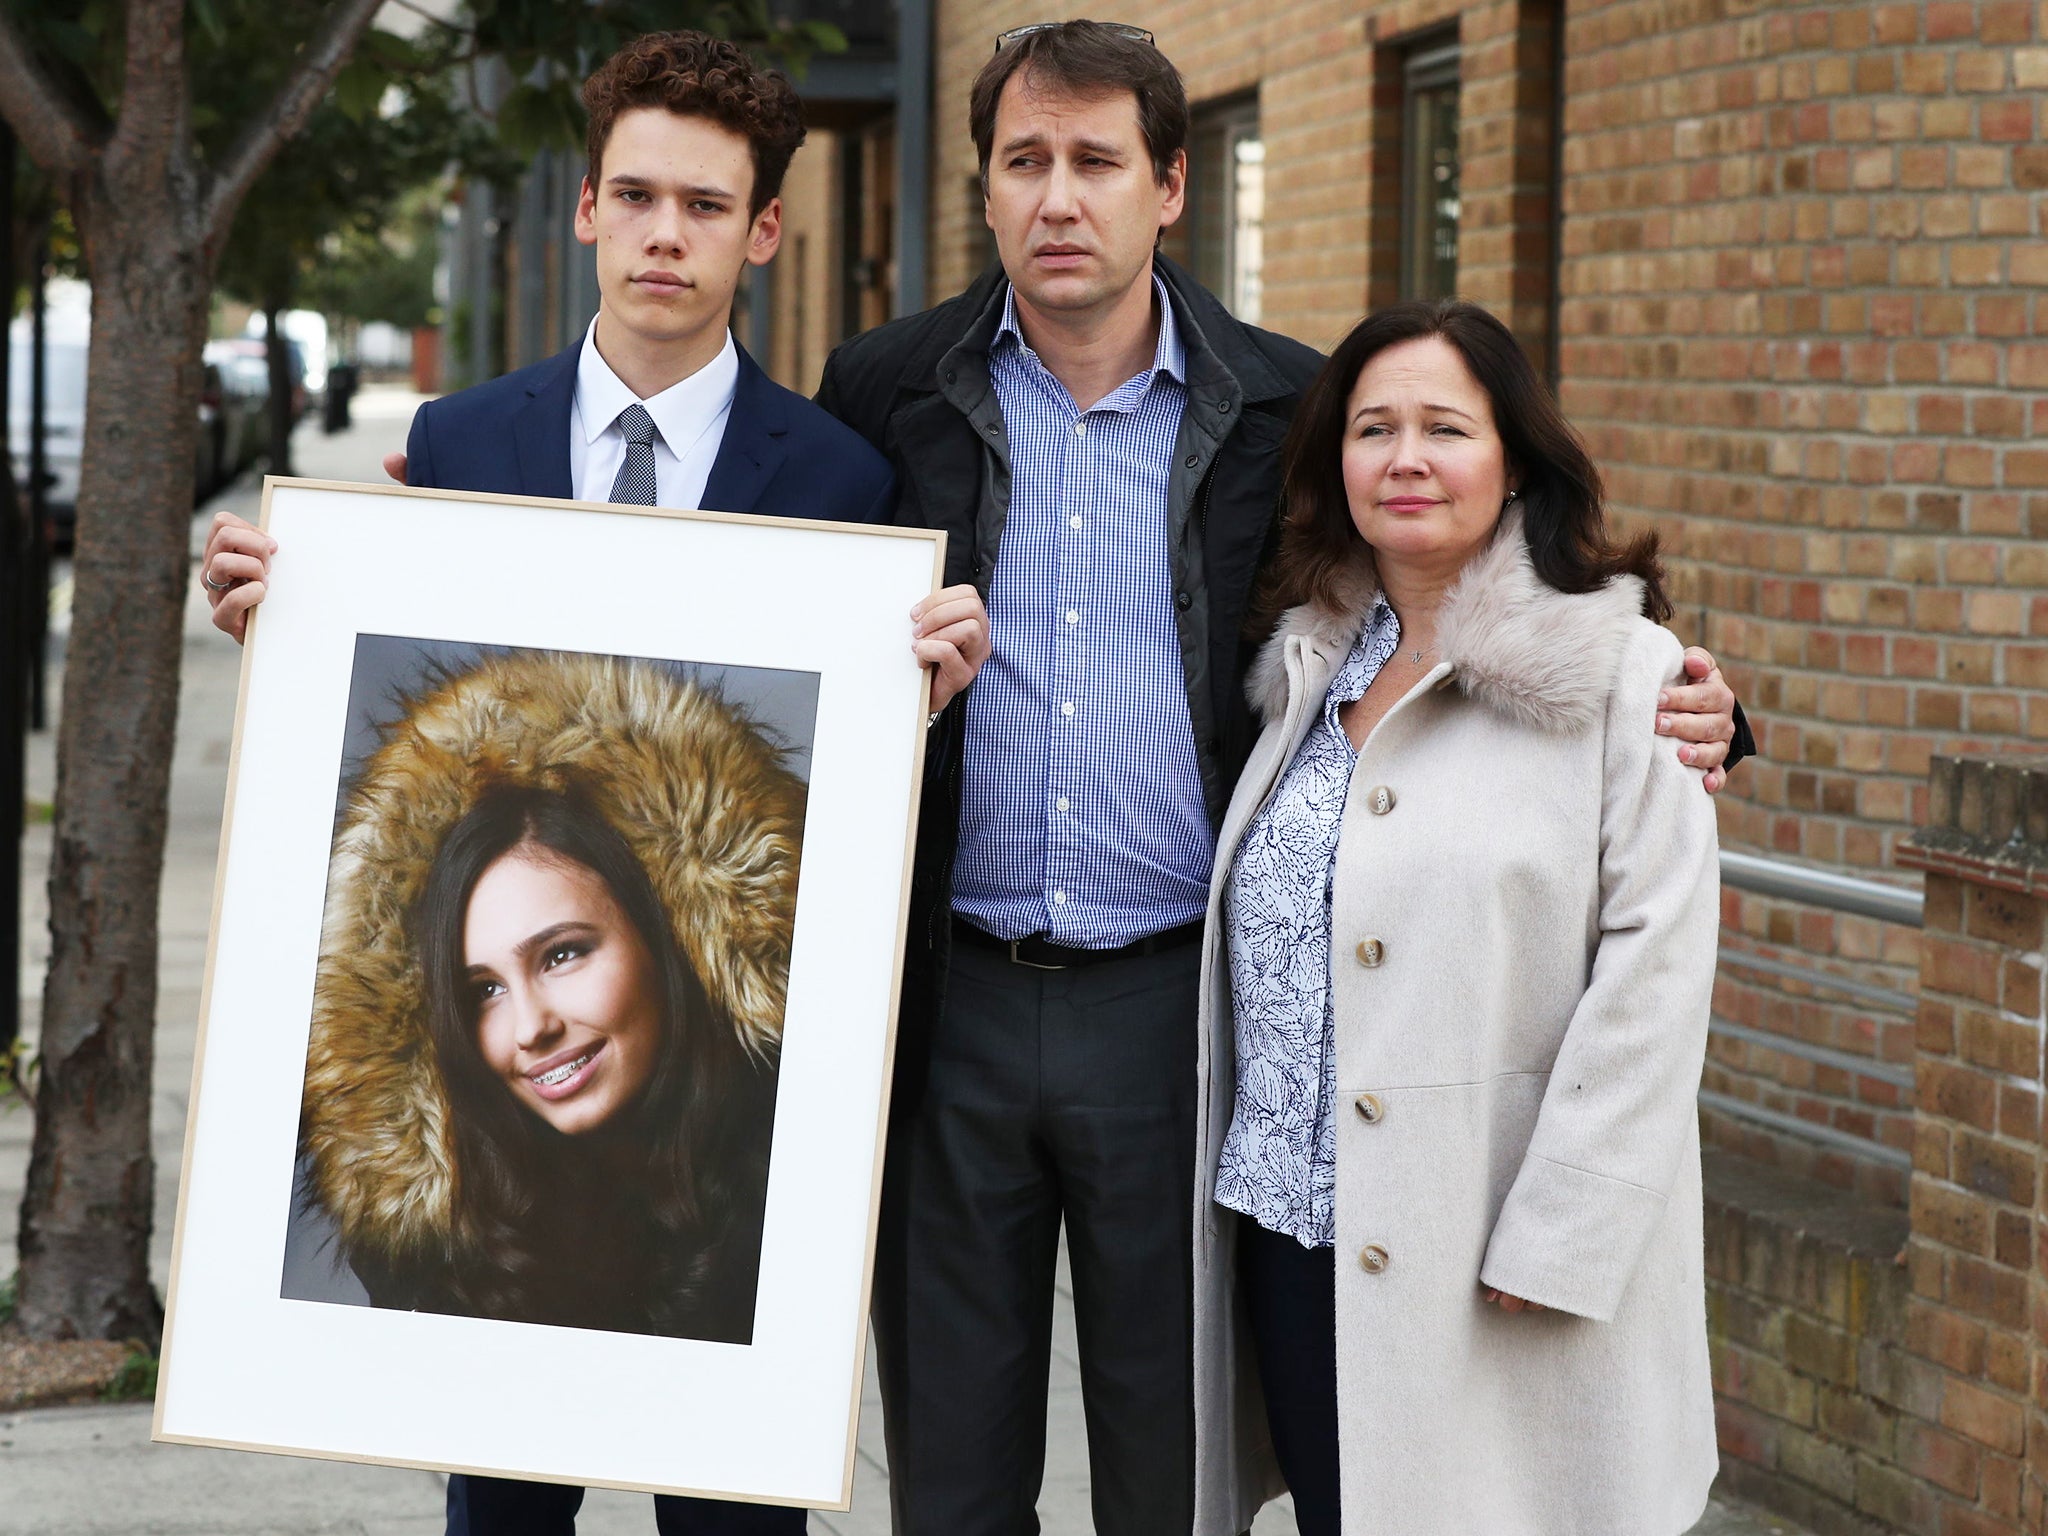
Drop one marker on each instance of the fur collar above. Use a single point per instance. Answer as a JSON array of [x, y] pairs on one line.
[[1541, 657], [702, 799]]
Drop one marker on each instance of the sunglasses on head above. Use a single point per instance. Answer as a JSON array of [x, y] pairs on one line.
[[1121, 29]]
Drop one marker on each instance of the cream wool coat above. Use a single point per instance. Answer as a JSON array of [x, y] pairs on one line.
[[1516, 1079]]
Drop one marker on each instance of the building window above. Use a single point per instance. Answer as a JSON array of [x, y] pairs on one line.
[[1429, 172], [983, 239], [1227, 204]]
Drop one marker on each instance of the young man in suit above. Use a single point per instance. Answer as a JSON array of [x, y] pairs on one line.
[[689, 140], [655, 406]]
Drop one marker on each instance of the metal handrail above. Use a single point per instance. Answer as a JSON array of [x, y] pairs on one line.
[[1889, 998], [1898, 1074], [1834, 892], [1823, 888], [1792, 1125]]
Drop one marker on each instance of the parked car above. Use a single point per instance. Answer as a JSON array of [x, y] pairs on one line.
[[252, 356], [66, 332], [244, 404], [206, 467]]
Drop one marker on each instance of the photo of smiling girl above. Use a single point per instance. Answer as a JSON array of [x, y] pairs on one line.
[[547, 1015]]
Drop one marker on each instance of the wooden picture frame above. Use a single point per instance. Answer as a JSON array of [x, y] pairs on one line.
[[731, 706]]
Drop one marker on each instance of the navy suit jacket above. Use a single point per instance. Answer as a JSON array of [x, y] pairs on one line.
[[781, 456]]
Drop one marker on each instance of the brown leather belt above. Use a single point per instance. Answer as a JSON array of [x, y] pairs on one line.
[[1041, 954]]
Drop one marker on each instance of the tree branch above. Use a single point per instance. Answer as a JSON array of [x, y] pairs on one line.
[[264, 134], [56, 134], [153, 135]]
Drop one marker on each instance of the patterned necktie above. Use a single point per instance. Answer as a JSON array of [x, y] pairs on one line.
[[635, 483]]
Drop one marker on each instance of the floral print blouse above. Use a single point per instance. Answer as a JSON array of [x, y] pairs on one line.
[[1279, 1163]]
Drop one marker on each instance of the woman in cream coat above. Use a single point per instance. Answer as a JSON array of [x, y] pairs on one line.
[[1456, 990]]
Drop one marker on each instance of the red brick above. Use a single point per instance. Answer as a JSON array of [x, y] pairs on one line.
[[1947, 1338], [1987, 1417], [1987, 1290], [2004, 1170], [1953, 1217], [1944, 1460], [1948, 21], [1746, 1434]]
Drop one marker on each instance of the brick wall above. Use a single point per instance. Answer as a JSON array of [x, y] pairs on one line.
[[1802, 283], [1886, 1372], [1802, 298], [804, 286], [1806, 1301]]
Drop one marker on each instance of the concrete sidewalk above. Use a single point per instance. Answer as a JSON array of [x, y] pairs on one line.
[[92, 1471]]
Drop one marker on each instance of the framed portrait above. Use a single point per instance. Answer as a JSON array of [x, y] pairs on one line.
[[544, 1052]]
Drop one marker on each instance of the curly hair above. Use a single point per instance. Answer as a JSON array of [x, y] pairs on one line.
[[695, 75]]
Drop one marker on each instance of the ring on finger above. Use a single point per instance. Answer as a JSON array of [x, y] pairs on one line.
[[206, 577]]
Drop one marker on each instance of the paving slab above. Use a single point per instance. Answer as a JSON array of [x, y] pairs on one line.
[[93, 1472]]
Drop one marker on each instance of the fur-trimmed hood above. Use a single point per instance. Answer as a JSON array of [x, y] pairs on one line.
[[1542, 657], [703, 800]]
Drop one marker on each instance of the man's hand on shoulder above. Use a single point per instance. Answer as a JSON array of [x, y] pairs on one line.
[[950, 633], [235, 571], [1701, 714]]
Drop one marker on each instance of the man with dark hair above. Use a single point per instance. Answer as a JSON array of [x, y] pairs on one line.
[[655, 405], [1100, 439]]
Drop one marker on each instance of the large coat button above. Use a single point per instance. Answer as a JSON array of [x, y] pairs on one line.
[[1380, 800], [1369, 1108], [1372, 1258], [1371, 952]]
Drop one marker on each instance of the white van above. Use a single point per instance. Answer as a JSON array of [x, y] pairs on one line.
[[66, 330]]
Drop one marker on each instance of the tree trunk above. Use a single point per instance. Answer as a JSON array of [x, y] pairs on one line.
[[278, 353], [85, 1218]]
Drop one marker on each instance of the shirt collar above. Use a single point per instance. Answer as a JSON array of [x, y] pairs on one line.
[[681, 413], [1169, 357], [1379, 636]]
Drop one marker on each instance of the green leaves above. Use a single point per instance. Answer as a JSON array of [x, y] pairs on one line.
[[207, 15], [536, 117], [401, 55], [548, 47], [135, 1381], [366, 147], [359, 88]]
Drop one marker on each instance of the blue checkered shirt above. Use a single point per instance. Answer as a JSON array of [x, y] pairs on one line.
[[1082, 815]]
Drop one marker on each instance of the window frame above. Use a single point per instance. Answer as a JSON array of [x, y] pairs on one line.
[[1430, 69], [1226, 123]]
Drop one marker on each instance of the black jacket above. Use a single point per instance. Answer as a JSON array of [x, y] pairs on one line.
[[919, 390]]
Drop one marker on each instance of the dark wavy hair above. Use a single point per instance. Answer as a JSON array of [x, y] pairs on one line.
[[1559, 491], [696, 75], [657, 1195]]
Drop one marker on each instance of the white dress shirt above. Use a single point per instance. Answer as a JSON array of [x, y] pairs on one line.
[[689, 419]]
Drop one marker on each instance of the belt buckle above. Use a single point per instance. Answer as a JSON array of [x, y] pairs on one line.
[[1036, 965]]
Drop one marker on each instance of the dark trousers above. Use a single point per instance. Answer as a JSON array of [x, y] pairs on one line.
[[500, 1506], [1291, 1294], [1052, 1094]]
